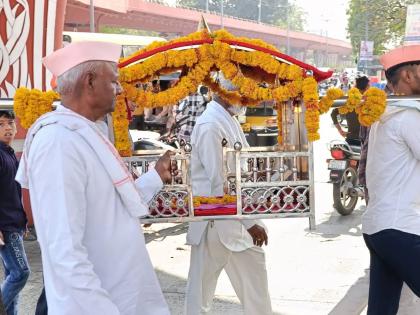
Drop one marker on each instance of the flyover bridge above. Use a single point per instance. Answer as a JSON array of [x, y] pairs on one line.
[[175, 21]]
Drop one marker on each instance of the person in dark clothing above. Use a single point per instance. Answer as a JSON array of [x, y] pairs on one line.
[[352, 135], [12, 218]]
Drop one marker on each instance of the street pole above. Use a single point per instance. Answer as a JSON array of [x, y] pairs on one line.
[[326, 44], [326, 47], [288, 27], [92, 17], [207, 6], [259, 11], [366, 33], [221, 14]]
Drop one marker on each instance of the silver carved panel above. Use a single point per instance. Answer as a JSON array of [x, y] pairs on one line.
[[266, 200]]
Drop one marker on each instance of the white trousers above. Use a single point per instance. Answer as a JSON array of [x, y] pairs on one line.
[[246, 271]]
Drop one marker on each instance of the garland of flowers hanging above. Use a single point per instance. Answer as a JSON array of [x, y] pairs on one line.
[[353, 100], [120, 123], [310, 99], [218, 35], [327, 101], [369, 106], [29, 105], [201, 61], [207, 53], [373, 106]]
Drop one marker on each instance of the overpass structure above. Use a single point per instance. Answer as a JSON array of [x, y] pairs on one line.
[[175, 21]]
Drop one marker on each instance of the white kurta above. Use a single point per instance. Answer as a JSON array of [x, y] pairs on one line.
[[223, 244], [393, 171], [93, 250], [214, 125]]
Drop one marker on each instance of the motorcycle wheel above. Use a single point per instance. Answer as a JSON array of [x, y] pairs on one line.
[[345, 203]]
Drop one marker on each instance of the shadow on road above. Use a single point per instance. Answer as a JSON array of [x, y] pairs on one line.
[[337, 225], [154, 234], [356, 298], [174, 290]]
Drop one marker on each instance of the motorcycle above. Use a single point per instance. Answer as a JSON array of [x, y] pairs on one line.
[[344, 176], [152, 140]]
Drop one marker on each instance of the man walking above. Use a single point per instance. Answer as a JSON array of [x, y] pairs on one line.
[[85, 203], [391, 224], [234, 246]]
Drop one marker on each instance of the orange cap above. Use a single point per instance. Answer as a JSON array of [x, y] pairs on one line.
[[399, 55]]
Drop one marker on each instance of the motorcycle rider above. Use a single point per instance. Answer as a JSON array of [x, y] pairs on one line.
[[352, 135]]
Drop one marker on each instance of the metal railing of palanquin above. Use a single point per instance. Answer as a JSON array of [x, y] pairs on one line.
[[259, 182]]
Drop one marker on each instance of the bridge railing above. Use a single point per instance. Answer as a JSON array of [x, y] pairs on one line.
[[211, 12]]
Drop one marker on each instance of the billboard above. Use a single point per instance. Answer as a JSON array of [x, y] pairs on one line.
[[412, 26], [366, 50]]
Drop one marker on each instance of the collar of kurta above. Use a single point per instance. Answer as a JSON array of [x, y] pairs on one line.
[[220, 109]]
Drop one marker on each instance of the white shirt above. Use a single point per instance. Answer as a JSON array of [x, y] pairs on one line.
[[214, 125], [393, 171], [93, 251]]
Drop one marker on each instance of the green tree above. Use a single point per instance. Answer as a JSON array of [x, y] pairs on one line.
[[274, 12], [386, 22]]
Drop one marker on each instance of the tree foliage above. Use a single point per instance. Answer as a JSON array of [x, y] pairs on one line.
[[386, 22], [274, 12]]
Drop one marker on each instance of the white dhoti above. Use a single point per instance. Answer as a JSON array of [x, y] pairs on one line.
[[246, 270]]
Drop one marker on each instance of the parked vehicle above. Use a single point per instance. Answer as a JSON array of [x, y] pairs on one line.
[[344, 176]]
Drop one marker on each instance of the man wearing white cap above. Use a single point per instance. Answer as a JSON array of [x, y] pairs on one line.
[[391, 224], [234, 246], [84, 201]]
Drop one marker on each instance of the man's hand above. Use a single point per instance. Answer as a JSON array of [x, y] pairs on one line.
[[259, 236], [165, 167]]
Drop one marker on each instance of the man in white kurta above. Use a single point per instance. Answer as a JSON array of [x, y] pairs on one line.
[[86, 208], [227, 244], [391, 223]]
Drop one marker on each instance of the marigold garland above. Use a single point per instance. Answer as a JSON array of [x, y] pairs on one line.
[[353, 100], [121, 130], [310, 99], [203, 34], [231, 97], [187, 84], [29, 105], [226, 199], [326, 102], [373, 107], [222, 55]]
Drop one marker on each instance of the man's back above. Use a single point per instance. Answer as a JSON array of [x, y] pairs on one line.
[[393, 173]]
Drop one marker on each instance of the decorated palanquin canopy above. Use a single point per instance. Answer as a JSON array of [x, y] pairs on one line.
[[259, 71]]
